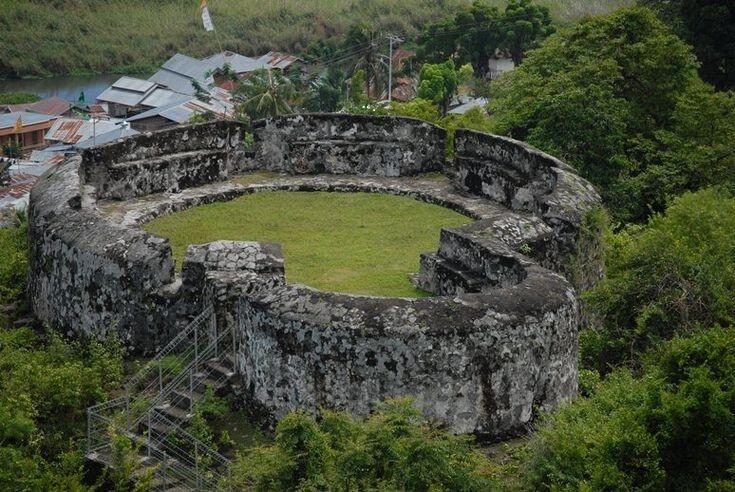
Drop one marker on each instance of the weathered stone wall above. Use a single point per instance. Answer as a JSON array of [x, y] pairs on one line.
[[88, 275], [524, 178], [482, 363], [164, 161], [498, 342], [348, 144]]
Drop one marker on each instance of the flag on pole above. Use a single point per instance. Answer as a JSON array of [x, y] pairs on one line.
[[206, 18], [18, 128]]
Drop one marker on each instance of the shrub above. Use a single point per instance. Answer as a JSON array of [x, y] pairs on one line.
[[672, 429], [390, 450], [672, 276], [46, 386], [14, 264]]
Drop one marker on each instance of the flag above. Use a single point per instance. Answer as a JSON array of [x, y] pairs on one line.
[[18, 128], [206, 18]]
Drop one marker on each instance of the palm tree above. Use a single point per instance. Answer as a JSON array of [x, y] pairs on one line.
[[363, 40], [265, 94]]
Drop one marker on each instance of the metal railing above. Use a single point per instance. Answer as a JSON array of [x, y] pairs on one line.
[[178, 372]]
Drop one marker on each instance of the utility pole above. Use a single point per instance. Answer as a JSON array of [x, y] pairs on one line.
[[391, 40]]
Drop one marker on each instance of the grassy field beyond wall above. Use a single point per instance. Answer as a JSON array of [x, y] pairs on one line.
[[55, 37]]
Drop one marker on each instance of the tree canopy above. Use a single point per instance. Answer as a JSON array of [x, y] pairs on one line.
[[438, 83], [709, 26], [618, 97], [474, 34]]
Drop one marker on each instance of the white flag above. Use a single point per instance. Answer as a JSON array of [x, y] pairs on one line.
[[206, 18]]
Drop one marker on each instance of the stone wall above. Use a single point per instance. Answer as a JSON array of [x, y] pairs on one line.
[[481, 363], [524, 178], [164, 161], [348, 144], [497, 343], [88, 275]]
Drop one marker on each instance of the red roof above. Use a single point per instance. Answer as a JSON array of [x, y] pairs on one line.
[[54, 106], [20, 185]]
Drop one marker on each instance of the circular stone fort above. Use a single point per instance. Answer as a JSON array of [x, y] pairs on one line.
[[493, 345]]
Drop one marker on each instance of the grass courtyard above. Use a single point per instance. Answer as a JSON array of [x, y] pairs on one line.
[[361, 243]]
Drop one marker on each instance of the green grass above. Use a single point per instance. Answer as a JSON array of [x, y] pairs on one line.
[[361, 243], [42, 38]]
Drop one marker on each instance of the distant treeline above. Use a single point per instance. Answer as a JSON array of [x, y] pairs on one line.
[[55, 37]]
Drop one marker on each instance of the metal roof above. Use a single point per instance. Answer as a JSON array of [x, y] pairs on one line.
[[127, 91], [188, 66], [162, 97], [110, 136], [174, 81], [238, 63], [276, 59], [469, 103], [74, 131], [7, 120], [181, 111], [133, 84]]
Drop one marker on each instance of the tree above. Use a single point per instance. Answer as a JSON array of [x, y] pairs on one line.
[[361, 40], [708, 25], [475, 34], [524, 25], [326, 92], [673, 276], [610, 95], [438, 83], [471, 36], [265, 93]]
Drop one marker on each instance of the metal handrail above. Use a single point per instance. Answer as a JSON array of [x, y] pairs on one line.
[[181, 336], [175, 461]]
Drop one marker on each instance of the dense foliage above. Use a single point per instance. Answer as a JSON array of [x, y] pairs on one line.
[[709, 26], [618, 96], [45, 387], [475, 33], [18, 98], [674, 275], [671, 429], [390, 450], [14, 264]]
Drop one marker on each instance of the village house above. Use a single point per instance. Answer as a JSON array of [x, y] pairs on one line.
[[24, 130], [54, 106], [87, 133]]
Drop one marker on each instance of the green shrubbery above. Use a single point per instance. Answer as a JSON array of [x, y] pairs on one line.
[[671, 429], [18, 98], [46, 386], [390, 450], [14, 263], [674, 275]]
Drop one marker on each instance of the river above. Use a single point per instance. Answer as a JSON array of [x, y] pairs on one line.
[[67, 88]]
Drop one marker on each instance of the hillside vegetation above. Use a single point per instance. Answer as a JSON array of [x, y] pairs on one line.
[[48, 37]]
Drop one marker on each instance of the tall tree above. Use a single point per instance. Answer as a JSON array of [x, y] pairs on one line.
[[265, 93], [472, 35], [524, 24], [708, 25], [438, 83], [326, 92], [362, 43]]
